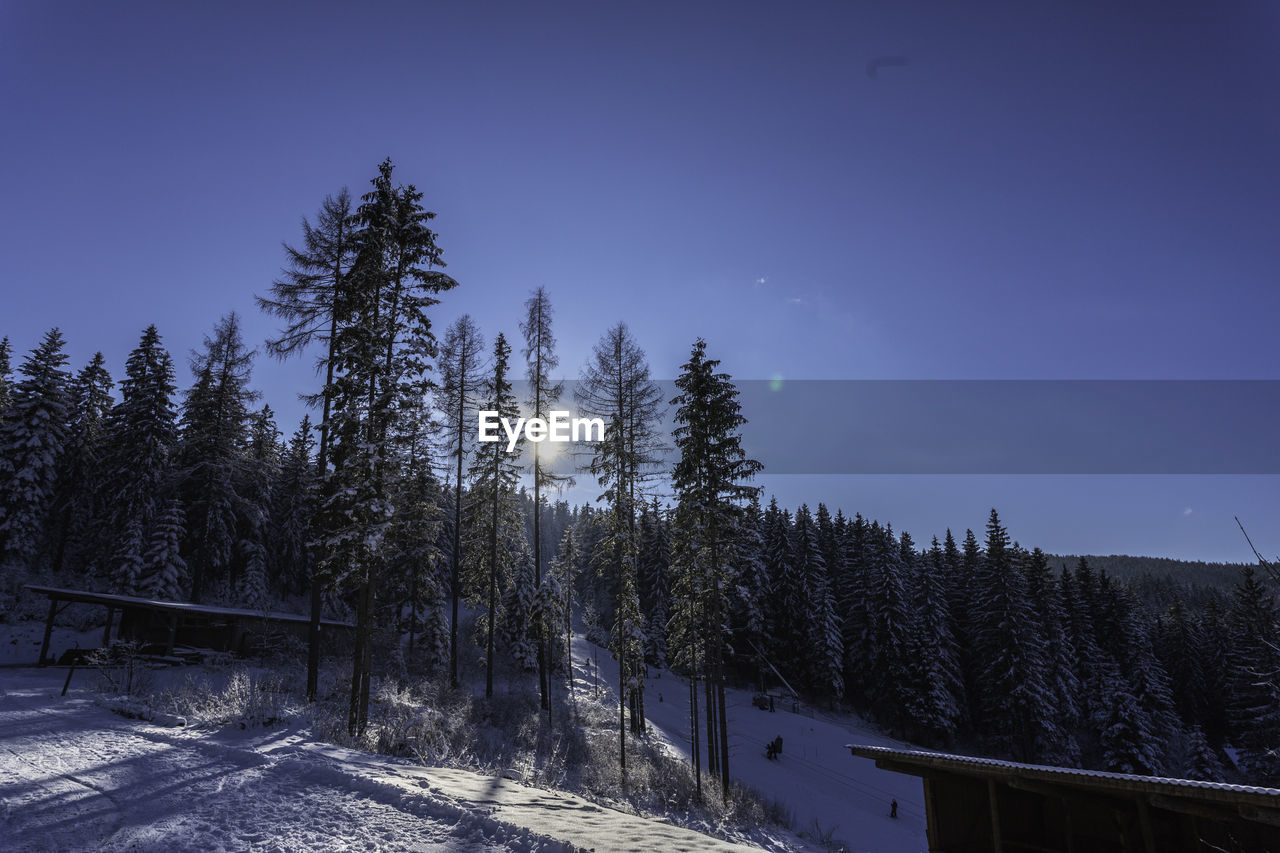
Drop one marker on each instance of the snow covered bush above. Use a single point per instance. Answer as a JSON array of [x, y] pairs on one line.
[[419, 724], [246, 699]]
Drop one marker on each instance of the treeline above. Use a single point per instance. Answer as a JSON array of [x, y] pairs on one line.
[[984, 645], [386, 511]]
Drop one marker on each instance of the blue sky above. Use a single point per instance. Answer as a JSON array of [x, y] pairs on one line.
[[1040, 192]]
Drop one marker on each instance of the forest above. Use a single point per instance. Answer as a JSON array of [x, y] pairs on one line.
[[382, 509]]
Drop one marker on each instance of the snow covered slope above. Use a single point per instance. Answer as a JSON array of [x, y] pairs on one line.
[[828, 791]]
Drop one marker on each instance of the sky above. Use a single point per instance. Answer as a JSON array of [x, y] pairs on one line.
[[823, 191]]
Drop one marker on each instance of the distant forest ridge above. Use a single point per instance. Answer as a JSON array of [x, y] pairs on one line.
[[1218, 575]]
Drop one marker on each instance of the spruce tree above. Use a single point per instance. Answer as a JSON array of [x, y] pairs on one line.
[[786, 602], [710, 481], [890, 625], [293, 506], [6, 374], [935, 664], [655, 592], [384, 342], [141, 435], [749, 594], [1126, 735], [33, 435], [852, 600], [1255, 672], [1016, 701], [255, 530], [1056, 746], [823, 639], [213, 466], [78, 513], [163, 574]]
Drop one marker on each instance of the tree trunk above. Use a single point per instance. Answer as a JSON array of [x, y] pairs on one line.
[[694, 746], [713, 765], [322, 469], [354, 726], [457, 530], [622, 715], [493, 581]]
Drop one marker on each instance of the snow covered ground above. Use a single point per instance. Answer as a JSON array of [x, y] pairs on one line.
[[829, 792], [75, 776]]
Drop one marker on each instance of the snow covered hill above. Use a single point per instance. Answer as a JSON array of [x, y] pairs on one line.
[[830, 793]]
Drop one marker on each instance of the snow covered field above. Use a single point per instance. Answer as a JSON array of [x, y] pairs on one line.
[[75, 776]]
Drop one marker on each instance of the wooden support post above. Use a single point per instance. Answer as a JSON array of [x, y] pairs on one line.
[[931, 816], [106, 632], [48, 633], [1067, 826], [71, 670], [1148, 830], [997, 845], [173, 633]]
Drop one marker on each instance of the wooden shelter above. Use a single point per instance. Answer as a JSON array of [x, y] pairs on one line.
[[980, 804], [164, 624]]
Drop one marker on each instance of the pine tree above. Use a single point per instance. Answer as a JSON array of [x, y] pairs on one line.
[[255, 530], [615, 387], [33, 434], [384, 342], [519, 611], [461, 365], [655, 593], [935, 664], [787, 600], [293, 506], [163, 570], [1201, 762], [710, 484], [890, 625], [415, 581], [1255, 672], [565, 569], [1126, 735], [128, 563], [213, 466], [494, 473], [1015, 699], [79, 515], [1056, 745], [313, 298], [853, 594], [140, 438], [6, 384], [540, 360], [823, 639], [749, 594], [961, 599]]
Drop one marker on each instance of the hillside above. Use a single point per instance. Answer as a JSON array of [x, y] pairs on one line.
[[1126, 567]]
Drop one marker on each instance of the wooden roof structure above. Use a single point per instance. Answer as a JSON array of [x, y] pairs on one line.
[[983, 804], [161, 620]]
